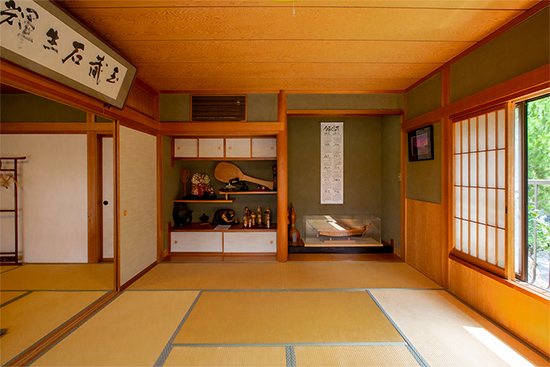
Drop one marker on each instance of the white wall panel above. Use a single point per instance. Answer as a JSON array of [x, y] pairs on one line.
[[138, 199], [53, 197]]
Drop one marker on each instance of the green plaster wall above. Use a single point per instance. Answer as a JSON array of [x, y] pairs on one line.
[[391, 179], [424, 177], [345, 101], [424, 98], [362, 167], [517, 51], [259, 107], [30, 108]]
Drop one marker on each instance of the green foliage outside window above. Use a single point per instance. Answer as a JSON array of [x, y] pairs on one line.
[[538, 158]]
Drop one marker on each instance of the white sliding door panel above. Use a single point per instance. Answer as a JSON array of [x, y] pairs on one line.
[[138, 202]]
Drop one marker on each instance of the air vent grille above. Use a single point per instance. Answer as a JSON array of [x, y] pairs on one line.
[[218, 108]]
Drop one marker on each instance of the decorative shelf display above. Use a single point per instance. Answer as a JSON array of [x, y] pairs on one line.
[[342, 231]]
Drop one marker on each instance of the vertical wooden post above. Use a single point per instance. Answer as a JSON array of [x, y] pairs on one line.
[[94, 195], [282, 182], [447, 222]]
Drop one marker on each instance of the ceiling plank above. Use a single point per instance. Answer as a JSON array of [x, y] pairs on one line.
[[291, 51], [288, 70], [278, 23], [439, 4]]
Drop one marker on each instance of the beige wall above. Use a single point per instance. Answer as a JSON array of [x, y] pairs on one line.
[[53, 197]]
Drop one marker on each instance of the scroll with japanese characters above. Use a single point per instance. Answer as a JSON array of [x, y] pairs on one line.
[[332, 163], [41, 37]]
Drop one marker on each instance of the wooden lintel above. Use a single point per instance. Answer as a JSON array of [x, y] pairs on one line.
[[55, 128], [343, 112], [220, 128]]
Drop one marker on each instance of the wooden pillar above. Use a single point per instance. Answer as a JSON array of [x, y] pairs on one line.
[[282, 182]]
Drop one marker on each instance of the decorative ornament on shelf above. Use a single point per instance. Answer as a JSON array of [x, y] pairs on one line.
[[225, 216], [293, 233], [181, 214], [200, 185], [204, 218]]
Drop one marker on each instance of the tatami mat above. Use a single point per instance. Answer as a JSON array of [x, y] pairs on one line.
[[448, 333], [34, 316], [59, 277], [302, 275], [227, 356], [131, 331], [286, 317], [354, 356]]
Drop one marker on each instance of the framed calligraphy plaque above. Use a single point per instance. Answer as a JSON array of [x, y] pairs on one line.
[[41, 37], [332, 163]]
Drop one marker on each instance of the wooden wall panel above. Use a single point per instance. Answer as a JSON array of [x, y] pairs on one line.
[[424, 244], [525, 315]]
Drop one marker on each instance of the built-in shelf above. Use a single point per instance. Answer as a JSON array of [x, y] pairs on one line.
[[226, 200], [212, 227], [255, 192]]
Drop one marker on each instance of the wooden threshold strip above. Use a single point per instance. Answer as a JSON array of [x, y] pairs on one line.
[[58, 334]]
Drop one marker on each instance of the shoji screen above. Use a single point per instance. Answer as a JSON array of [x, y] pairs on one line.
[[138, 202], [480, 189]]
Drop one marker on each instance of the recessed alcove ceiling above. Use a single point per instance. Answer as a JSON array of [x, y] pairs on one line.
[[298, 46]]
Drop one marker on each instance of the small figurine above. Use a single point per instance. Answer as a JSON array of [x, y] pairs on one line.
[[245, 221], [267, 217], [252, 219], [259, 216], [204, 218]]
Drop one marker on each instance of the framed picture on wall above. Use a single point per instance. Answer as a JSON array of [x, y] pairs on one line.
[[421, 144]]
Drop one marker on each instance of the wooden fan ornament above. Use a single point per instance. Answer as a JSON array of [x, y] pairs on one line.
[[226, 171]]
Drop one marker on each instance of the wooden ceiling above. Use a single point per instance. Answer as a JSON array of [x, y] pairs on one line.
[[255, 46]]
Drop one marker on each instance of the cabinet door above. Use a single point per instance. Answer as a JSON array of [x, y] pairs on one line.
[[211, 148], [264, 147], [196, 242], [237, 148], [185, 148], [250, 242]]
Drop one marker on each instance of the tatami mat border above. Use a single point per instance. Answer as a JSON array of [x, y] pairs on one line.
[[354, 344], [26, 293], [290, 356], [168, 348], [221, 290], [52, 335], [416, 354]]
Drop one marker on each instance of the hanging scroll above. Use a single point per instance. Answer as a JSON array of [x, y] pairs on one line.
[[39, 36], [332, 163]]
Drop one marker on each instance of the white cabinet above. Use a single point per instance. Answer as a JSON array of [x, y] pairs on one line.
[[264, 147], [237, 148], [211, 148], [196, 241], [250, 242], [223, 241], [228, 148], [186, 148]]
